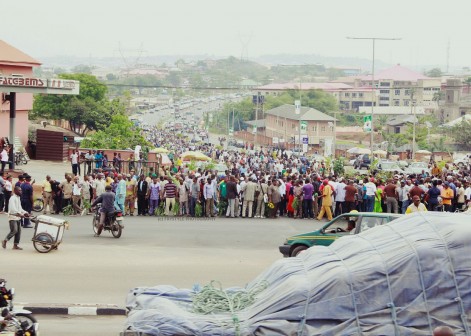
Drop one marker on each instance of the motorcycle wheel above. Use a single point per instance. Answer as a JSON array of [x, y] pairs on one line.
[[43, 242], [95, 223], [116, 230], [26, 318], [38, 205]]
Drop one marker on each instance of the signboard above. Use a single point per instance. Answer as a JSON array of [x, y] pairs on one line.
[[282, 140], [231, 131], [305, 143], [328, 147], [254, 130], [303, 126], [39, 85], [275, 140], [367, 123], [297, 106]]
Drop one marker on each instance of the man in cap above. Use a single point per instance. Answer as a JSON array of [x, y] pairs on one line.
[[15, 214], [326, 201]]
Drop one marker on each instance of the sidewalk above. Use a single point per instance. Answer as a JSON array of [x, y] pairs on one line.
[[72, 309]]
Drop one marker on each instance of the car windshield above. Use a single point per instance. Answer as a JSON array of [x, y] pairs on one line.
[[418, 165], [342, 223], [370, 222], [390, 165]]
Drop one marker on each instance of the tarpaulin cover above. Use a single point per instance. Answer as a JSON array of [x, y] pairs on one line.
[[403, 278]]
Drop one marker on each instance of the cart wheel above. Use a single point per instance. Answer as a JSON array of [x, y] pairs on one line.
[[43, 242], [116, 230], [95, 223], [38, 205]]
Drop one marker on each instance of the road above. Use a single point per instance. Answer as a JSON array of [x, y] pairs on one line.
[[151, 251]]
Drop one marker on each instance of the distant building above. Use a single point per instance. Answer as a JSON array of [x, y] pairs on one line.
[[15, 63], [398, 124], [455, 103], [283, 123]]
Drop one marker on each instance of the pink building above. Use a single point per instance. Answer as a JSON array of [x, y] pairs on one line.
[[14, 62]]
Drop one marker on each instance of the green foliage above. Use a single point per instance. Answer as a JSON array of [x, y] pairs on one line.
[[435, 72], [461, 133], [338, 166], [120, 134], [90, 108], [222, 207], [160, 210], [68, 210], [86, 204], [374, 164], [198, 210], [176, 209]]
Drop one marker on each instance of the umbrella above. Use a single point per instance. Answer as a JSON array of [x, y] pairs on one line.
[[159, 150], [356, 150], [191, 155], [423, 151], [352, 150], [380, 152]]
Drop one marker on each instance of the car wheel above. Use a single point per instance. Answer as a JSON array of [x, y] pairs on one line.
[[461, 164], [298, 250]]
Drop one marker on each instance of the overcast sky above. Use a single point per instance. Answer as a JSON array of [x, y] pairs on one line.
[[219, 27]]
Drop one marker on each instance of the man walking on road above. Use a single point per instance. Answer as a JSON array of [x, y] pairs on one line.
[[47, 195], [326, 201], [27, 199], [170, 192], [391, 197], [15, 213]]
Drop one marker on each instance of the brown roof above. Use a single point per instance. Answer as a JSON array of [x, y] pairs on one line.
[[11, 55]]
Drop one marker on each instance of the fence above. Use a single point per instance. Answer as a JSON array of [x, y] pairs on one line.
[[125, 167]]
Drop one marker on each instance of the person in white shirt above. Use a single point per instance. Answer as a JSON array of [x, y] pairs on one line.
[[4, 158], [15, 213], [74, 160], [340, 198], [98, 186], [370, 195], [208, 193]]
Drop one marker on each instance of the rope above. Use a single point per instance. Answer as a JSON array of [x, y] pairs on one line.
[[212, 299]]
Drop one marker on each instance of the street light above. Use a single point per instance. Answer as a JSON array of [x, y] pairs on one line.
[[373, 39]]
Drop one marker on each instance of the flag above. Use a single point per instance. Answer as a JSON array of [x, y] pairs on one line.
[[367, 126]]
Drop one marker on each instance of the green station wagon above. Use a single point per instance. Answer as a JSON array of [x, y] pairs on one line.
[[349, 223]]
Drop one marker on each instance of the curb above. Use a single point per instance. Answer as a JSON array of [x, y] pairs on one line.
[[73, 309]]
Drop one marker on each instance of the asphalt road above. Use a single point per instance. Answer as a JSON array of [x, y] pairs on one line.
[[151, 251], [53, 325]]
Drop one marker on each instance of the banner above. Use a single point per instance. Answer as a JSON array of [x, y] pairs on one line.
[[297, 106], [367, 127], [303, 126]]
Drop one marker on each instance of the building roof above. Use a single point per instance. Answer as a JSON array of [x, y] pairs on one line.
[[305, 86], [397, 73], [259, 123], [307, 113], [401, 120], [12, 56], [392, 110], [466, 117]]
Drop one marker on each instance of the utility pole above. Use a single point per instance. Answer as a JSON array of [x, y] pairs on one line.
[[412, 107], [373, 99]]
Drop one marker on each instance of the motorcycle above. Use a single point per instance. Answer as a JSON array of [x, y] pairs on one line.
[[113, 222], [20, 322]]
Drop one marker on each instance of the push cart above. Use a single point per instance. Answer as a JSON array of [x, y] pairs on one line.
[[48, 233]]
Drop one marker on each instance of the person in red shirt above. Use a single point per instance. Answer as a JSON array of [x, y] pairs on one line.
[[391, 197], [350, 192], [416, 191]]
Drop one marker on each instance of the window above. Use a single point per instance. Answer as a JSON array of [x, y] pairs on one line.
[[406, 102], [384, 91], [314, 128], [397, 92], [407, 92], [370, 222], [396, 102], [354, 95], [385, 84], [360, 95], [397, 129], [347, 94], [323, 129], [383, 98]]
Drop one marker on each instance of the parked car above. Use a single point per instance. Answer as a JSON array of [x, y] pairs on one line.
[[362, 161], [462, 162], [349, 223], [390, 166], [417, 168], [403, 164]]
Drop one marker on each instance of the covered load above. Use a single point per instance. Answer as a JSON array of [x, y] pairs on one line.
[[403, 278]]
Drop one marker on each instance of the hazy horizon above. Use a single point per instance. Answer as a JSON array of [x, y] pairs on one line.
[[245, 28]]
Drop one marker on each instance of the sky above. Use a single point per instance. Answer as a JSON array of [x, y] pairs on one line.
[[220, 28]]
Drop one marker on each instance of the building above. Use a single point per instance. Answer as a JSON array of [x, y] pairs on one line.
[[400, 86], [399, 124], [455, 103], [282, 122], [15, 63]]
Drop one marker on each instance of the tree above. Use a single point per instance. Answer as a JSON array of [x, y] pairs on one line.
[[120, 134], [82, 68], [461, 133], [435, 72], [90, 108]]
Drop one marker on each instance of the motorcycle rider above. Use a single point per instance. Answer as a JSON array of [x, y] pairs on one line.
[[5, 294], [107, 200]]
